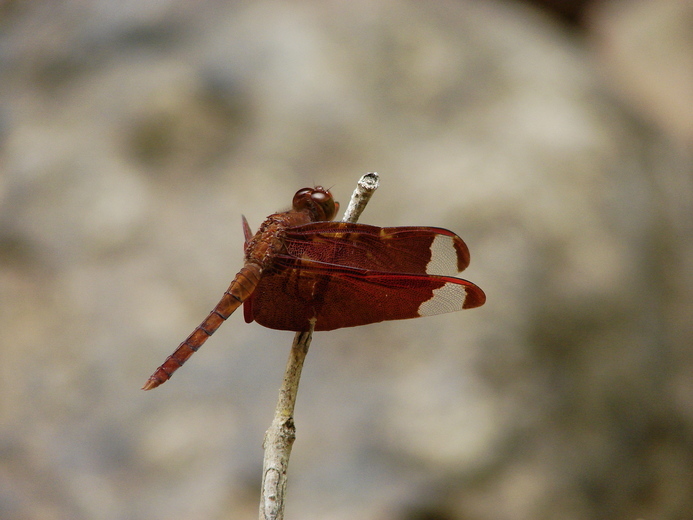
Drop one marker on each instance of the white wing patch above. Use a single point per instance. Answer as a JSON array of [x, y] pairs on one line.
[[443, 257], [448, 298]]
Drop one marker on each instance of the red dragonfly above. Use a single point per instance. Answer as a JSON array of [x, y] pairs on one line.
[[301, 268]]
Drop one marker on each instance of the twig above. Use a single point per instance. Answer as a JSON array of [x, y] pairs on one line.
[[280, 436], [362, 194]]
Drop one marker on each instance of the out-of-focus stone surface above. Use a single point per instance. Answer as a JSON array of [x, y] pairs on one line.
[[134, 135], [645, 51]]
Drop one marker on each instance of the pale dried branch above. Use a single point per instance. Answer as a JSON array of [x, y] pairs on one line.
[[280, 436]]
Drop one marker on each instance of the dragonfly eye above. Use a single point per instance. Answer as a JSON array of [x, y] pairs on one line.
[[318, 201]]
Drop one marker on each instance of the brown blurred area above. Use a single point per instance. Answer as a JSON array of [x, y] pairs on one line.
[[556, 141]]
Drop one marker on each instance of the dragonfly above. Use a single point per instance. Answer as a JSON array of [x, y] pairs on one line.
[[302, 269]]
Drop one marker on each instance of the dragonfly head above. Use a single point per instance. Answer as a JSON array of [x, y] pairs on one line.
[[317, 201]]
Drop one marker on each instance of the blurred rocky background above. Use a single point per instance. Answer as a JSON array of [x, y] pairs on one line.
[[554, 137]]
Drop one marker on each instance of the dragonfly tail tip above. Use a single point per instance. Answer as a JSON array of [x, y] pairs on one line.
[[151, 383]]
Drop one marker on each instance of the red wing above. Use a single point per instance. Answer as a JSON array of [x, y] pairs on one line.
[[415, 250], [298, 290]]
